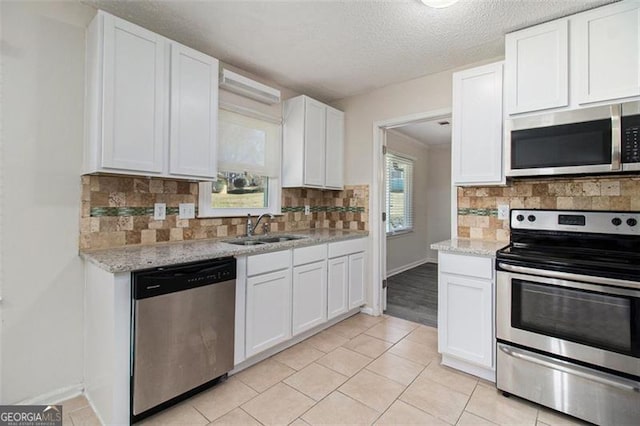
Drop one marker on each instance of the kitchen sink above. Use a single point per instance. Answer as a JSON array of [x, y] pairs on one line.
[[252, 241]]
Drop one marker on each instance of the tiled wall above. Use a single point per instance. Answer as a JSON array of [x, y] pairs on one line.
[[477, 206], [118, 211]]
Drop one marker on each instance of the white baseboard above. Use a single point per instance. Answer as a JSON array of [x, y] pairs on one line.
[[369, 311], [55, 396], [408, 266], [432, 260]]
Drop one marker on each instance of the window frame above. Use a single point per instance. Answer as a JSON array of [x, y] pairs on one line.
[[408, 213], [205, 210]]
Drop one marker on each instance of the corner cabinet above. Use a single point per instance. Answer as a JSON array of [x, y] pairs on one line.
[[466, 335], [476, 147], [151, 104], [313, 144]]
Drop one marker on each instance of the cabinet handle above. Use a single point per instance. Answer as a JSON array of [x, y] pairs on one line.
[[616, 138]]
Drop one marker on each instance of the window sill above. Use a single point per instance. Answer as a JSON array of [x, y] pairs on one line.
[[391, 235]]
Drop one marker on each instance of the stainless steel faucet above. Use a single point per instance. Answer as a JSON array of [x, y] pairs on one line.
[[251, 227]]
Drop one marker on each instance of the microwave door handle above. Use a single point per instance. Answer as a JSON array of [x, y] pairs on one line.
[[616, 138]]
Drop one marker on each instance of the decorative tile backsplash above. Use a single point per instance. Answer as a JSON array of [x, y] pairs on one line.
[[478, 206], [118, 211]]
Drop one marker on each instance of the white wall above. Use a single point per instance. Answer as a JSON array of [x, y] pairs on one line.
[[438, 197], [411, 248], [424, 94], [42, 131]]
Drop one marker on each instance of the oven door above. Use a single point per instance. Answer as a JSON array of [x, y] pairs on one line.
[[592, 323]]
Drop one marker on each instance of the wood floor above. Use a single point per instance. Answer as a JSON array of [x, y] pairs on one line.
[[413, 295]]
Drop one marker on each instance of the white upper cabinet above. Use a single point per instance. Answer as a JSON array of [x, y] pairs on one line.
[[133, 98], [315, 127], [313, 144], [537, 67], [334, 168], [151, 103], [592, 57], [194, 113], [476, 147], [607, 43]]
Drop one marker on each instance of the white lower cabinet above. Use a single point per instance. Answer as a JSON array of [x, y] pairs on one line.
[[338, 290], [356, 280], [289, 292], [309, 296], [466, 336], [268, 316]]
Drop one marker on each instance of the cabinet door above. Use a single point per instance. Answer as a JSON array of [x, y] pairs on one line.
[[268, 320], [309, 296], [537, 64], [608, 52], [338, 281], [356, 280], [477, 126], [334, 169], [194, 113], [315, 119], [465, 326], [134, 96]]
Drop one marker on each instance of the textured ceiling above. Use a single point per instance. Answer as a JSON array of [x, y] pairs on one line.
[[428, 132], [334, 49]]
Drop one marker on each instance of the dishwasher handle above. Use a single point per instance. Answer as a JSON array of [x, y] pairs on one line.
[[165, 280]]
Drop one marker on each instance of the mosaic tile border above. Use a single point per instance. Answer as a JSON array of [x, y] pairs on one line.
[[477, 212], [328, 209], [148, 211], [129, 211]]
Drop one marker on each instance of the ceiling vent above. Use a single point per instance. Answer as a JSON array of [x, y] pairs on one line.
[[244, 86]]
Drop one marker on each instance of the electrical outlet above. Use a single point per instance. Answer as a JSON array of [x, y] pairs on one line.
[[503, 211], [307, 209], [159, 211], [187, 211]]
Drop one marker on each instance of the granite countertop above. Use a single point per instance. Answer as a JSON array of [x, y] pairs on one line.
[[469, 246], [126, 259]]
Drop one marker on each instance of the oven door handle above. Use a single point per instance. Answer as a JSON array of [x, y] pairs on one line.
[[575, 370], [569, 276]]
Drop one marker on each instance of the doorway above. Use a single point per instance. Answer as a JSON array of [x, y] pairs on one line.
[[413, 188]]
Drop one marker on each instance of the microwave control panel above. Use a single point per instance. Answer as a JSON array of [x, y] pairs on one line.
[[630, 136]]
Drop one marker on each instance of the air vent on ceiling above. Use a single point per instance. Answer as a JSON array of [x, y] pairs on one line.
[[244, 86]]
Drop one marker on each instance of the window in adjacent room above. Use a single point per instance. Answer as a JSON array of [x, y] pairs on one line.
[[248, 166], [399, 193]]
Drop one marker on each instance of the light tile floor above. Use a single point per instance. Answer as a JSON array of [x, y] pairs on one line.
[[363, 370]]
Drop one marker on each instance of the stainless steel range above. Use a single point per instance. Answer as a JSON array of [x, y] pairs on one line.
[[568, 313]]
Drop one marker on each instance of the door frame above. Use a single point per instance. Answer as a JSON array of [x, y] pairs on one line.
[[377, 203]]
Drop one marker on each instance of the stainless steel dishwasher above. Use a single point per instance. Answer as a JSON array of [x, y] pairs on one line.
[[183, 332]]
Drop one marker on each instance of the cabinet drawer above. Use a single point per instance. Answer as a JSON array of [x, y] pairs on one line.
[[343, 248], [268, 262], [310, 254], [472, 266]]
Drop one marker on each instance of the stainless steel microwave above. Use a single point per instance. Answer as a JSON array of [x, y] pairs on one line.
[[591, 140]]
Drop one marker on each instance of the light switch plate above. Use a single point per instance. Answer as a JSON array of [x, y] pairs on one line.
[[503, 211], [159, 211], [307, 209], [187, 211]]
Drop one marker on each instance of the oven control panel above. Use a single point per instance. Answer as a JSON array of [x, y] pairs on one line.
[[621, 223]]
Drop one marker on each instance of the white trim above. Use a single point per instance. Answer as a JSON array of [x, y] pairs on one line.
[[396, 271], [55, 396], [249, 112], [409, 139], [369, 311], [376, 206], [488, 374], [432, 260]]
